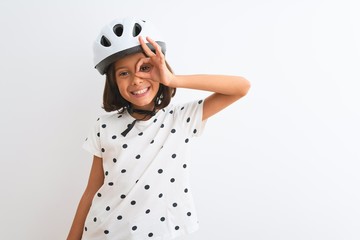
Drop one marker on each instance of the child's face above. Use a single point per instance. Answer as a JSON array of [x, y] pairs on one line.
[[138, 91]]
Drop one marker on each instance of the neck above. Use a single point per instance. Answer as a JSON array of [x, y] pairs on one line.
[[141, 117], [142, 114]]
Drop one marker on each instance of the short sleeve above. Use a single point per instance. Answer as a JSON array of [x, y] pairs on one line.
[[92, 143], [189, 116]]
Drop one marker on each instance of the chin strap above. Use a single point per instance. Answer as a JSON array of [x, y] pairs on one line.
[[139, 111]]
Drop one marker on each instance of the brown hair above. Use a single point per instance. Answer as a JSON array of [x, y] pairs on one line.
[[113, 101]]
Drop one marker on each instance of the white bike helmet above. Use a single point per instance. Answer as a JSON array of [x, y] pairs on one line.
[[120, 38]]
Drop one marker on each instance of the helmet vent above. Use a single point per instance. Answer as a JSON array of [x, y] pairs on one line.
[[105, 42], [136, 29], [118, 30]]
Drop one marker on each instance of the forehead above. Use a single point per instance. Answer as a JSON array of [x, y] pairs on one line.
[[129, 60]]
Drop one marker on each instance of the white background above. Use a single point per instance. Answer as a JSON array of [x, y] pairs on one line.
[[280, 164]]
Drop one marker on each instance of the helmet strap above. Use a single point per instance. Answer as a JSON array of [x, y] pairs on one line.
[[131, 110]]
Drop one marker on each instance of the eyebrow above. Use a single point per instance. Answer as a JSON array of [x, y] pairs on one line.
[[121, 67]]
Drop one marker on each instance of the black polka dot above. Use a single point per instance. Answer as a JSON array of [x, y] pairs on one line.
[[113, 137], [140, 134], [103, 149], [123, 196], [174, 204], [119, 116], [160, 195], [182, 108], [184, 166], [188, 119], [199, 102], [103, 126], [173, 130], [147, 187], [85, 229], [171, 112], [106, 173], [98, 134], [150, 234], [107, 208], [123, 171], [133, 202], [98, 119], [186, 140], [186, 190], [162, 126], [160, 171], [172, 180], [152, 141], [125, 146], [162, 219], [99, 194], [173, 156], [138, 156], [147, 211], [111, 183], [195, 131], [137, 181], [114, 160], [134, 228], [106, 231], [177, 228], [95, 219], [189, 214], [119, 217], [155, 120]]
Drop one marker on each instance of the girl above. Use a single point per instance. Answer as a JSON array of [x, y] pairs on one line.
[[138, 186]]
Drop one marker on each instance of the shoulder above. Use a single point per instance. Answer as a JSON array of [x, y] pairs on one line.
[[108, 119], [189, 106], [189, 113], [109, 116]]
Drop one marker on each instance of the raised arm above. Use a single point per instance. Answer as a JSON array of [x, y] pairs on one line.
[[227, 89]]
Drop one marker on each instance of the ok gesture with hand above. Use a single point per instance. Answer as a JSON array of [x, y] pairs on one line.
[[153, 67]]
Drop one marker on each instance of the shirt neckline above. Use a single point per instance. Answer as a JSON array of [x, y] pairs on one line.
[[143, 122]]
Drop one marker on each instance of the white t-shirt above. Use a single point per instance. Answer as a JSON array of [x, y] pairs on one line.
[[146, 192]]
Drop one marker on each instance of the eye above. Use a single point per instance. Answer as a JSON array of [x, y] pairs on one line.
[[123, 74], [145, 68]]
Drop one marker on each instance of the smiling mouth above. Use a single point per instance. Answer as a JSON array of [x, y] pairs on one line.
[[140, 92]]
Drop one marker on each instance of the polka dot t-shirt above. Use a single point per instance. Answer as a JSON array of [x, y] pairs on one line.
[[146, 192]]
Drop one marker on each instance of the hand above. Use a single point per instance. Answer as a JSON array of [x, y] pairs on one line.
[[153, 67]]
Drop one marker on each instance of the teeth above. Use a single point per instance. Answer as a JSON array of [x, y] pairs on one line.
[[140, 91]]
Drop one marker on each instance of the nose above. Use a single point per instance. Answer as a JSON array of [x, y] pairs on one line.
[[136, 80]]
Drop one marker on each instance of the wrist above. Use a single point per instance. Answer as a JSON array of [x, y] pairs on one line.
[[172, 81]]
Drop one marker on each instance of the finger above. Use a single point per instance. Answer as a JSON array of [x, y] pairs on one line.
[[141, 62], [146, 48], [143, 75], [156, 46]]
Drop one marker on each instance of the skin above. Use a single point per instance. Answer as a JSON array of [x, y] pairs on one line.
[[140, 92], [138, 77], [226, 89]]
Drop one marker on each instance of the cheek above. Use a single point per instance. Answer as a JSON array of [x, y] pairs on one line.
[[121, 86], [156, 87]]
